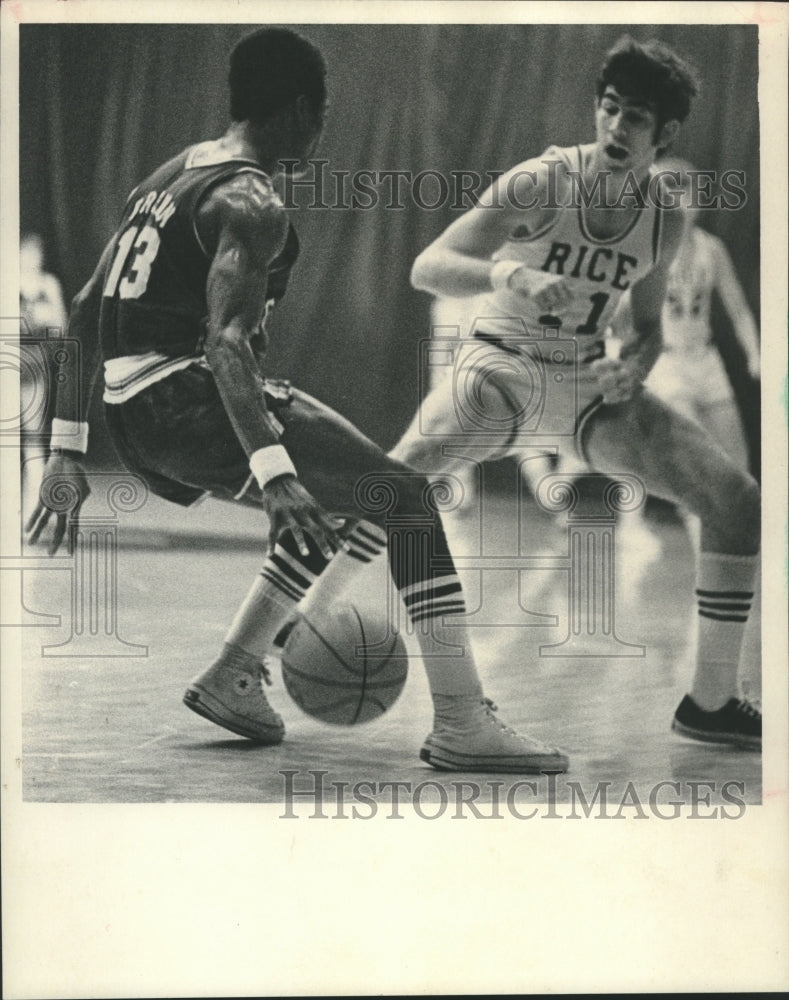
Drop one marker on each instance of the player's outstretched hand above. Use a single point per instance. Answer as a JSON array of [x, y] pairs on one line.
[[548, 291], [616, 379], [290, 507], [64, 489], [755, 367]]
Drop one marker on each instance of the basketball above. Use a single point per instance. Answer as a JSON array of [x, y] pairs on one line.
[[340, 671]]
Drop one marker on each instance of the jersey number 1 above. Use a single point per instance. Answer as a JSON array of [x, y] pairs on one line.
[[136, 252]]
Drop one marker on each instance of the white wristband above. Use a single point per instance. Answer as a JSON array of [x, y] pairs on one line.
[[268, 463], [501, 272], [70, 435]]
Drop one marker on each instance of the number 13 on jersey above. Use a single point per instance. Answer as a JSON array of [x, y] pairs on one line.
[[131, 268]]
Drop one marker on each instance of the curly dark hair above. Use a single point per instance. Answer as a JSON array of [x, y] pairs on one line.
[[652, 73], [271, 67]]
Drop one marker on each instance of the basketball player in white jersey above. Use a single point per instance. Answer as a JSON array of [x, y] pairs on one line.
[[689, 374], [549, 250]]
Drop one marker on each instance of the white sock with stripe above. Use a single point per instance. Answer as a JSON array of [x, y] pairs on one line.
[[363, 544], [429, 593], [286, 576], [724, 590]]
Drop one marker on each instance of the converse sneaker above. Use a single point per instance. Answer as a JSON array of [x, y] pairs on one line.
[[738, 723], [467, 736], [230, 693]]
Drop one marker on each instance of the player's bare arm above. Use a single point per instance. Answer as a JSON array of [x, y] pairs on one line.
[[458, 264], [245, 225], [640, 322], [736, 305], [64, 469]]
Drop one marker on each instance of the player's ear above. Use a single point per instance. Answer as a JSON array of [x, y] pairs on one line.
[[304, 112], [667, 134]]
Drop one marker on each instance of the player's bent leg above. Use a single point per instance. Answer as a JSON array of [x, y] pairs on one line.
[[342, 468], [678, 460], [230, 691], [474, 409], [722, 420]]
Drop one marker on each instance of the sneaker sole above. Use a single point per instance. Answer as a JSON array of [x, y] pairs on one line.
[[448, 760], [727, 739], [204, 703]]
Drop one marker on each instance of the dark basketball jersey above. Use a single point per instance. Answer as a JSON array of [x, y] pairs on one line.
[[155, 286]]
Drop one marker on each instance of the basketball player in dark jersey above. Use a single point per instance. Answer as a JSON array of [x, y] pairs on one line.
[[549, 251], [180, 299]]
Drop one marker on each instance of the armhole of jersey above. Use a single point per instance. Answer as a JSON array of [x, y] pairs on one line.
[[130, 199], [250, 169], [657, 235], [546, 227]]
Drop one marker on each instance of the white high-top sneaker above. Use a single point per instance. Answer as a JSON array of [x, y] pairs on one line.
[[467, 736]]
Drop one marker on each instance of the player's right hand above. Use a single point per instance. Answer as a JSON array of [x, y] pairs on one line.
[[548, 291], [290, 507], [64, 489]]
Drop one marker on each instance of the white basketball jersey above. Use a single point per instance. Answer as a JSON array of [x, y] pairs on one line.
[[686, 309], [598, 271]]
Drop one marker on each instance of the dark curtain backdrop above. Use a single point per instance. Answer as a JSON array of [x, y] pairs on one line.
[[102, 105]]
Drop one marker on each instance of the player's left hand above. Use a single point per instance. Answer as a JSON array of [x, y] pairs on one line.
[[616, 379], [755, 367], [64, 489]]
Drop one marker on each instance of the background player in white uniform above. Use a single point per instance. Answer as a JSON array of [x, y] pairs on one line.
[[43, 314], [545, 263], [689, 374]]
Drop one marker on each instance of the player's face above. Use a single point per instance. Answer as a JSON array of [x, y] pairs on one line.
[[626, 138]]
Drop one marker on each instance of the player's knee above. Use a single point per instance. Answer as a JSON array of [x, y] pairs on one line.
[[415, 452], [749, 504], [395, 491], [741, 504]]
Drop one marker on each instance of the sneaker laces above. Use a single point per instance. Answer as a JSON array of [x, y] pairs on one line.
[[749, 707], [490, 708], [265, 671]]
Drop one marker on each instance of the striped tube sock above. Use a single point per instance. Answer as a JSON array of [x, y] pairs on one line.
[[425, 576], [363, 544], [286, 576], [440, 596], [724, 591]]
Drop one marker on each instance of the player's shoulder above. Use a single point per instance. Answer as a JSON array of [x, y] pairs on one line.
[[709, 242], [547, 164], [247, 205], [247, 196]]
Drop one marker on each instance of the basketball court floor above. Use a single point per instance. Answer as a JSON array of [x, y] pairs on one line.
[[102, 714]]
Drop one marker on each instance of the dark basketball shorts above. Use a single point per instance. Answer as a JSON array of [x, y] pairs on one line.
[[176, 435]]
